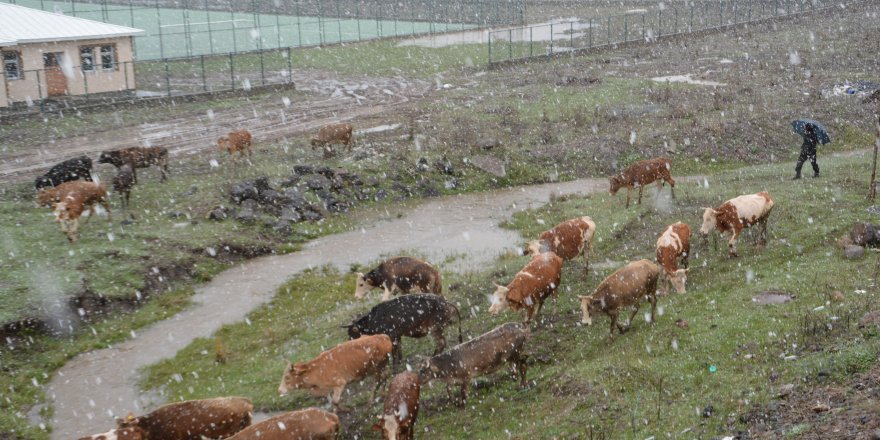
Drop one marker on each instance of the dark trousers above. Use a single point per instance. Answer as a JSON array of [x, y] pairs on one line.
[[806, 154]]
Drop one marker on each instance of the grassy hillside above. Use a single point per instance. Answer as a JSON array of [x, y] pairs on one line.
[[652, 381]]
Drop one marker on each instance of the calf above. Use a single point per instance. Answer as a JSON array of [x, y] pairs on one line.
[[333, 369], [67, 171], [214, 418], [405, 274], [674, 244], [624, 288], [482, 355], [737, 214], [535, 282], [339, 133], [123, 182], [236, 141], [84, 195], [414, 316], [138, 157], [643, 173], [309, 423], [567, 240], [398, 419]]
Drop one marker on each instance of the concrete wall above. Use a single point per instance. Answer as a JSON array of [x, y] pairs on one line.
[[33, 84]]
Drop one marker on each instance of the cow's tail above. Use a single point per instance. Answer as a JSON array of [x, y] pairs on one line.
[[458, 314]]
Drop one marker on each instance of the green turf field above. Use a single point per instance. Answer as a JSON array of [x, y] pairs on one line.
[[172, 32]]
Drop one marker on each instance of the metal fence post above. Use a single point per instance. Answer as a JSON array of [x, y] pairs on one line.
[[571, 34], [210, 35], [289, 67], [609, 30], [531, 39], [338, 21], [39, 90], [204, 80], [551, 38], [232, 71], [510, 44], [625, 27], [159, 23], [659, 23], [298, 24], [167, 78], [357, 16], [262, 68], [591, 32]]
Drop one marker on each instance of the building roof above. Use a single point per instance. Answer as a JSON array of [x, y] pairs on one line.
[[22, 25]]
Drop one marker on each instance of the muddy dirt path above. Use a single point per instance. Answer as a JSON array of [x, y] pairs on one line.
[[92, 388], [272, 118]]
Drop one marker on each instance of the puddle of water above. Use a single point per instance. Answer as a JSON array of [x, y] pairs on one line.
[[772, 297], [687, 79], [563, 28], [378, 129]]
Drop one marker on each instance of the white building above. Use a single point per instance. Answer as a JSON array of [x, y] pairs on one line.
[[46, 54]]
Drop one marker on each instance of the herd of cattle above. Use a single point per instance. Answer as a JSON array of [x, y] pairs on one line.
[[376, 337], [68, 187]]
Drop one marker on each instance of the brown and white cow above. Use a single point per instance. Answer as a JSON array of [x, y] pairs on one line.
[[309, 423], [215, 418], [332, 370], [674, 244], [737, 214], [401, 408], [536, 281], [338, 133], [236, 141], [404, 274], [78, 197], [567, 240], [643, 173], [624, 288]]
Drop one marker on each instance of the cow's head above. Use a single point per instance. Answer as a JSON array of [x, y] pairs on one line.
[[615, 184], [362, 285], [678, 280], [589, 308], [315, 142], [710, 217], [354, 331], [428, 371], [223, 143], [42, 182], [499, 300], [45, 197], [292, 378], [389, 426], [535, 247], [60, 211], [106, 157]]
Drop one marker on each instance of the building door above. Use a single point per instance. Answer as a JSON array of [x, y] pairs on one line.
[[56, 82]]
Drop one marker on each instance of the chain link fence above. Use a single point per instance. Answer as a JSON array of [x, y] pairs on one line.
[[190, 28], [643, 24]]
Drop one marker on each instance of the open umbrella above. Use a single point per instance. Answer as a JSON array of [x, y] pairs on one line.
[[800, 125]]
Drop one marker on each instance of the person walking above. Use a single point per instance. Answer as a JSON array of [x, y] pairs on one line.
[[808, 151]]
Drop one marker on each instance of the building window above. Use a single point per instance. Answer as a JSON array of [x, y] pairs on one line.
[[12, 65], [108, 57], [87, 59]]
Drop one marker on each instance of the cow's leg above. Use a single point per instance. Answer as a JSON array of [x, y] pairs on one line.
[[397, 354], [731, 244], [386, 295], [520, 367], [464, 390], [654, 306], [337, 396], [632, 316], [89, 217], [614, 324], [439, 341], [72, 229], [763, 237], [641, 188], [671, 185], [586, 252], [628, 191]]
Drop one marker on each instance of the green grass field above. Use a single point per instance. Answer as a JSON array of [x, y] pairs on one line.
[[652, 381], [176, 32]]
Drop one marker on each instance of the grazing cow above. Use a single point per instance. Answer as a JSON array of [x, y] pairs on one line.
[[80, 196], [414, 316], [236, 141], [215, 418], [568, 240], [737, 214], [624, 288], [398, 419], [482, 355], [123, 182], [643, 173], [532, 284], [405, 274], [309, 423], [333, 369], [339, 133], [673, 245], [67, 171], [138, 157]]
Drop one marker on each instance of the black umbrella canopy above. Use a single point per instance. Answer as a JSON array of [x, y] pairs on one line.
[[800, 127]]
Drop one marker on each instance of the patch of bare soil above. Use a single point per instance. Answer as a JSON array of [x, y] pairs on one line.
[[331, 99], [848, 411]]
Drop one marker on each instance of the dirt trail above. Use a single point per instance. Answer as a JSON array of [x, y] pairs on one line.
[[268, 119], [94, 387]]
